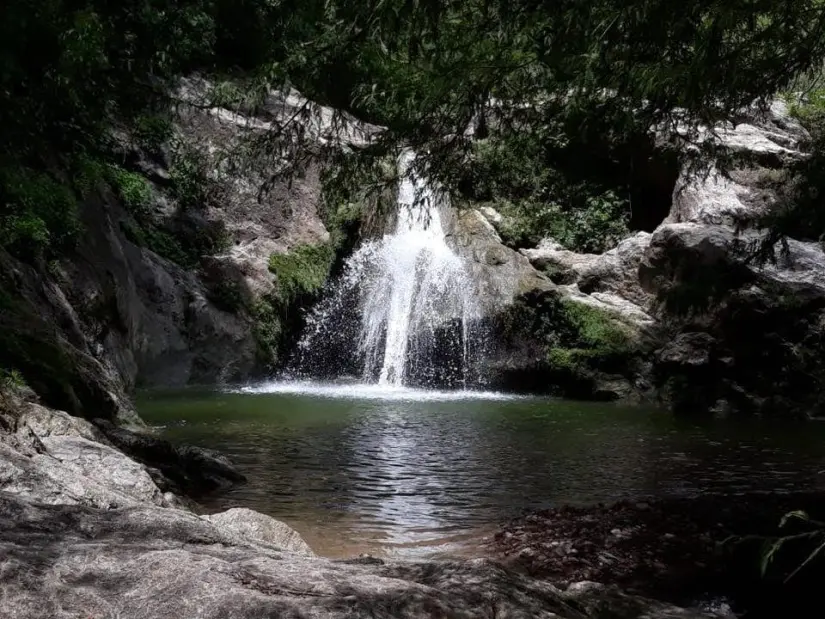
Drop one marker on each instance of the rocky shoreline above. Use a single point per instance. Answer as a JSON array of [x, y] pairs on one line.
[[87, 531]]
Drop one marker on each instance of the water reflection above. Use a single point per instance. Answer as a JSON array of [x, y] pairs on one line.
[[366, 475]]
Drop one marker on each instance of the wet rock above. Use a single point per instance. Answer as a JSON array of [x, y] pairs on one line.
[[185, 469]]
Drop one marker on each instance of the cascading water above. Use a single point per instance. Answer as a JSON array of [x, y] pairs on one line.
[[403, 311]]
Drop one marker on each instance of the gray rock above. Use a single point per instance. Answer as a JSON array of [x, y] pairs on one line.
[[62, 561], [602, 601], [770, 135], [713, 199], [105, 465], [688, 350], [501, 274], [185, 469], [608, 281], [260, 528], [46, 422]]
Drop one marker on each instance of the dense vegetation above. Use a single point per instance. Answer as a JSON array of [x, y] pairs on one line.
[[570, 79]]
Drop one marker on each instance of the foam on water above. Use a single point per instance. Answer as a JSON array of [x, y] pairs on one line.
[[361, 391]]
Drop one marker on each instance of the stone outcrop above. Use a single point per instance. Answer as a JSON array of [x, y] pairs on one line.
[[114, 313], [500, 273], [715, 331], [609, 281]]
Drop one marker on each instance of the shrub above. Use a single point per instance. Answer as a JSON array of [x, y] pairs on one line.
[[11, 379], [152, 131], [268, 330], [132, 189], [38, 214], [236, 95], [596, 224], [303, 271], [519, 178], [189, 175], [579, 340]]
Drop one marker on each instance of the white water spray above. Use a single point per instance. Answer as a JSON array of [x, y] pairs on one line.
[[415, 299]]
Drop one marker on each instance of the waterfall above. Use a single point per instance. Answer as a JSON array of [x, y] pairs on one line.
[[403, 310]]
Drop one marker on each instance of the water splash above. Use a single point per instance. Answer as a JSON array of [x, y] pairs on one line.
[[404, 308]]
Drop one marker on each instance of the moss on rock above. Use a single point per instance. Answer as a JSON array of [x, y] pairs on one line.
[[564, 347], [302, 271]]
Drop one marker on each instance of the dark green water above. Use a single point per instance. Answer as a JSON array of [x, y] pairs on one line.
[[360, 470]]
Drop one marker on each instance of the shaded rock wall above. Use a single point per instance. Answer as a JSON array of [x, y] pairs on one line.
[[714, 330], [170, 294]]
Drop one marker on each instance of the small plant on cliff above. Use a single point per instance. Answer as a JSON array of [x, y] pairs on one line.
[[302, 271], [268, 331], [189, 175], [152, 131], [132, 189], [11, 379], [587, 338]]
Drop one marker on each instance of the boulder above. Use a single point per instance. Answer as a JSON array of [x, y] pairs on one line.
[[744, 337], [261, 529], [501, 274], [184, 469], [613, 274]]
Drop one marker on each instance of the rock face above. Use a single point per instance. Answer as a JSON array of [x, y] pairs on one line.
[[744, 338], [115, 313], [608, 280], [85, 532], [501, 274], [717, 332]]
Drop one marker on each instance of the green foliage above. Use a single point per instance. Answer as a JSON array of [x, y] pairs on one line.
[[301, 272], [589, 338], [189, 175], [132, 189], [238, 94], [525, 178], [227, 295], [11, 380], [595, 225], [268, 330], [579, 340], [38, 214], [90, 173], [152, 131]]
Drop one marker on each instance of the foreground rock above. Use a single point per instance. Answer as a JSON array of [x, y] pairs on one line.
[[64, 561]]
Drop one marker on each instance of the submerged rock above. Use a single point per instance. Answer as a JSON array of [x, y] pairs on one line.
[[185, 469]]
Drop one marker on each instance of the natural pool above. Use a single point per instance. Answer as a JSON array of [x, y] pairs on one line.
[[392, 471]]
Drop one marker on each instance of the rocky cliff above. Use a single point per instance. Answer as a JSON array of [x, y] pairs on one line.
[[172, 279], [708, 328]]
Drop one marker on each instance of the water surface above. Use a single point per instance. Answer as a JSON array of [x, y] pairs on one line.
[[396, 471]]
